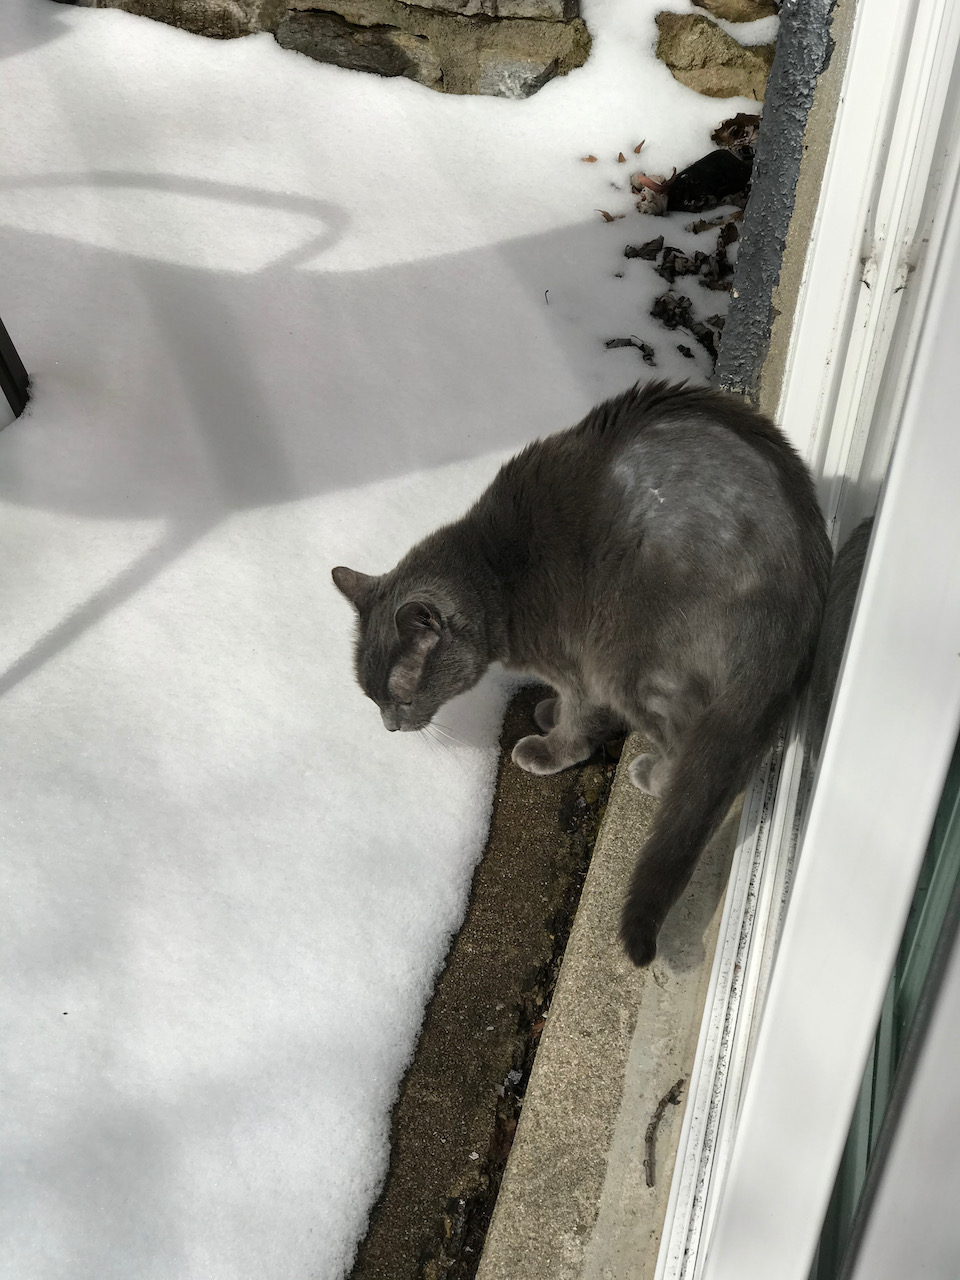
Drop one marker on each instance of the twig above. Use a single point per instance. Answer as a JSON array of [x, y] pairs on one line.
[[670, 1098]]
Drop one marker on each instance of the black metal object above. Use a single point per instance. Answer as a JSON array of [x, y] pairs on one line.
[[14, 382], [719, 177]]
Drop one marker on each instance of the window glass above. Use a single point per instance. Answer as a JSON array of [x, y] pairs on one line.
[[938, 879]]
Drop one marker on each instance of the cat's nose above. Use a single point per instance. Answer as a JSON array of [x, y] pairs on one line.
[[389, 717]]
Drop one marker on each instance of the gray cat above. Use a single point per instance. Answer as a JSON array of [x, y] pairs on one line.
[[663, 566]]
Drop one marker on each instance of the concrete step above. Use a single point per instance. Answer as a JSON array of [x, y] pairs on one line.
[[586, 1185]]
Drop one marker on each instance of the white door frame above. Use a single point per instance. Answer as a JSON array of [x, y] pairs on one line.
[[867, 319]]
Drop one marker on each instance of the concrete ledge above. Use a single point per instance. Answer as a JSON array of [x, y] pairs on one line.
[[575, 1203]]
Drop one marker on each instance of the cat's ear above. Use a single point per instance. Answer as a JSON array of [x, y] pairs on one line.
[[418, 626], [355, 586], [419, 622]]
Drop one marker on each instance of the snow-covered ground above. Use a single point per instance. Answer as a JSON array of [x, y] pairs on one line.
[[279, 316]]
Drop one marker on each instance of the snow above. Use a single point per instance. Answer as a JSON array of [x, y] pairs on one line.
[[278, 316], [760, 31]]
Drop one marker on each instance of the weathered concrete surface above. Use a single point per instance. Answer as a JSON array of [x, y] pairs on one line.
[[575, 1204], [626, 1237], [703, 57]]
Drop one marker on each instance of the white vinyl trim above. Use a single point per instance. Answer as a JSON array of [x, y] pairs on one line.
[[717, 1068], [892, 732], [874, 229], [891, 174]]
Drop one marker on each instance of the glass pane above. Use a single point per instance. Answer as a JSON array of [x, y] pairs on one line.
[[938, 878]]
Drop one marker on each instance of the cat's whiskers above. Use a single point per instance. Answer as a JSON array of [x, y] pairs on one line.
[[446, 733], [438, 742], [430, 741]]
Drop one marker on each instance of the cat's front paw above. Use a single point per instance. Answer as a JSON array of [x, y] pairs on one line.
[[649, 773], [539, 755]]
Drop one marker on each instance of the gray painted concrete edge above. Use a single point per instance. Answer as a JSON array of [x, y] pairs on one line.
[[798, 115], [575, 1201], [816, 145]]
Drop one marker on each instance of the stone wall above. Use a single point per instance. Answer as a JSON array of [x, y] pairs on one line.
[[508, 48], [701, 55]]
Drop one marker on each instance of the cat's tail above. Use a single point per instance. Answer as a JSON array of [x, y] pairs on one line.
[[711, 769]]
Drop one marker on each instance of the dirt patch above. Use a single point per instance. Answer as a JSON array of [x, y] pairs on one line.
[[460, 1101]]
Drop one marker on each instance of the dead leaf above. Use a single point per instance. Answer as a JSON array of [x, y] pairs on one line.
[[621, 158], [610, 217], [589, 159], [653, 182], [707, 224], [637, 149]]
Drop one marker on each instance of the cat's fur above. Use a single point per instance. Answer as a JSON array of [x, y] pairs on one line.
[[663, 566]]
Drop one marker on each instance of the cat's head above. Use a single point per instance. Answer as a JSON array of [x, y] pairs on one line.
[[416, 648]]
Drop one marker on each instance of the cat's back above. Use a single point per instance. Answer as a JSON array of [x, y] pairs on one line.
[[688, 474], [713, 437], [685, 430], [702, 469]]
